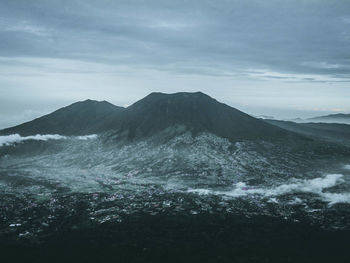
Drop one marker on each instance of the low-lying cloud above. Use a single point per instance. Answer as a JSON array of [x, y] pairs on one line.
[[16, 138]]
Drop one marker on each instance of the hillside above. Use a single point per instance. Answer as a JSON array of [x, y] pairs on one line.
[[79, 118]]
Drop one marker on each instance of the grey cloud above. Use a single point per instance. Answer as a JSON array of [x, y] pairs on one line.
[[244, 52], [279, 35]]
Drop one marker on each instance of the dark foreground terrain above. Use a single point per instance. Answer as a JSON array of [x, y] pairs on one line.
[[188, 238]]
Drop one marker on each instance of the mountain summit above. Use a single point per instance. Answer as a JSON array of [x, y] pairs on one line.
[[195, 112]]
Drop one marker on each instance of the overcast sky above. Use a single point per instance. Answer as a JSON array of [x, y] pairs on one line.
[[286, 58]]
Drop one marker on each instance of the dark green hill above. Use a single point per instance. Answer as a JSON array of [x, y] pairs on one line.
[[79, 118]]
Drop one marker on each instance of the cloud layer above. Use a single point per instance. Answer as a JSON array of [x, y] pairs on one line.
[[54, 48]]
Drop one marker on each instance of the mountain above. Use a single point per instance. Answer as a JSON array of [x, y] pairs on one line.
[[332, 118], [157, 112], [79, 118], [196, 112]]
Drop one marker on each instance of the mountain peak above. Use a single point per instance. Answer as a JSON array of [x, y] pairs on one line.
[[183, 93], [197, 112], [179, 98], [90, 102], [177, 95], [191, 111]]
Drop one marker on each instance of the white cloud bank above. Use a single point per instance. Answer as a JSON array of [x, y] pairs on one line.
[[315, 186], [16, 138]]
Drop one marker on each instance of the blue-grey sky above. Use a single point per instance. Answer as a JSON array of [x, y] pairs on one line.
[[286, 58]]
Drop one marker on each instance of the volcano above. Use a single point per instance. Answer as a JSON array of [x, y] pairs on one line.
[[194, 112]]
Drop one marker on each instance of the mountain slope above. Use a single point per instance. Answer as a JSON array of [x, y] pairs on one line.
[[79, 118], [334, 132], [195, 112]]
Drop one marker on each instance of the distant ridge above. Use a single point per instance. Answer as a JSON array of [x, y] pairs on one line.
[[195, 112], [332, 118], [334, 132]]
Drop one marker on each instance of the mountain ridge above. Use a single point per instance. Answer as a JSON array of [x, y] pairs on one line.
[[75, 119], [332, 132], [197, 112], [335, 118]]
